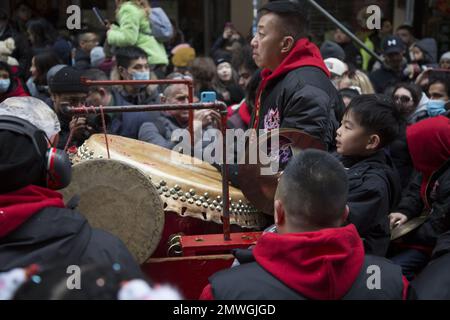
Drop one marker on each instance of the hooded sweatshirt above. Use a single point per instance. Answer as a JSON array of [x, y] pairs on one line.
[[298, 94], [429, 48], [313, 263], [323, 265], [429, 146]]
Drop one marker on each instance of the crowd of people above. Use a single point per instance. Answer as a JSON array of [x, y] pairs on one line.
[[384, 126]]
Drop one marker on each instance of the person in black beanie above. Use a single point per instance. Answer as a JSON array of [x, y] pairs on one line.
[[35, 225], [65, 87], [330, 49]]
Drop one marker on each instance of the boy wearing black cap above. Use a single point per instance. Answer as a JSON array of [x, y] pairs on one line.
[[391, 72], [295, 91]]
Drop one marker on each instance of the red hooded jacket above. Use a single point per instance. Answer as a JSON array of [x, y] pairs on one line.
[[311, 262], [18, 206], [303, 54], [429, 146]]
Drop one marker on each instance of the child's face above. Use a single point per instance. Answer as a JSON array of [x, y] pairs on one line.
[[417, 54], [224, 71], [352, 139]]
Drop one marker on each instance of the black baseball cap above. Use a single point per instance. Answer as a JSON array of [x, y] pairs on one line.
[[393, 44]]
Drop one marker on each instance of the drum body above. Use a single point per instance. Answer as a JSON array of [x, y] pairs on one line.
[[190, 190]]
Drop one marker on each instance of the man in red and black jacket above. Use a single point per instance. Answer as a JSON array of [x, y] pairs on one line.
[[295, 91], [311, 256]]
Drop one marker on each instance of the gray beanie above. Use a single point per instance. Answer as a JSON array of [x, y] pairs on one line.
[[330, 49]]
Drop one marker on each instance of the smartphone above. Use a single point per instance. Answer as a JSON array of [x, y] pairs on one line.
[[208, 96], [99, 16]]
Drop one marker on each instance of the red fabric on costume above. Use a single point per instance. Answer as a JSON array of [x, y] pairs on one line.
[[18, 206], [429, 146]]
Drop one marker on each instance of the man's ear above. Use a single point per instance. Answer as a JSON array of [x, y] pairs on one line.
[[163, 98], [287, 44], [279, 214], [122, 72], [373, 143], [345, 215]]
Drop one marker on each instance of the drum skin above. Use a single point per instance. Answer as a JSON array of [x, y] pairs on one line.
[[120, 199]]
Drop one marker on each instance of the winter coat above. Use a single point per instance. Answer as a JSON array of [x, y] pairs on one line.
[[128, 124], [298, 94], [134, 30], [374, 190], [385, 77]]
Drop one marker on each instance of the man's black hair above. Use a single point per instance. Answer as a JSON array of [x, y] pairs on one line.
[[406, 27], [96, 75], [377, 114], [443, 77], [294, 21], [313, 189], [125, 55], [349, 93]]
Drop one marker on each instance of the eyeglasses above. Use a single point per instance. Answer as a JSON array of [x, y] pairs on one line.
[[179, 76], [402, 99]]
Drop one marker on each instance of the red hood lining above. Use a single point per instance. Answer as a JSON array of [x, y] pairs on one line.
[[319, 265], [18, 206]]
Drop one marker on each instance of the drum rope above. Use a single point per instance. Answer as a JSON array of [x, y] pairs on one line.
[[69, 139], [104, 130]]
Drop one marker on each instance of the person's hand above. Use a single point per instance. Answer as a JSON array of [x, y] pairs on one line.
[[79, 126], [108, 24], [206, 118], [227, 33], [396, 219]]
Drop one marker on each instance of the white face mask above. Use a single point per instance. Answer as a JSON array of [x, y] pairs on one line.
[[4, 85]]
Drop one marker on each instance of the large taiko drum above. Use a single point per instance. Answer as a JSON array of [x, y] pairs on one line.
[[190, 190]]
